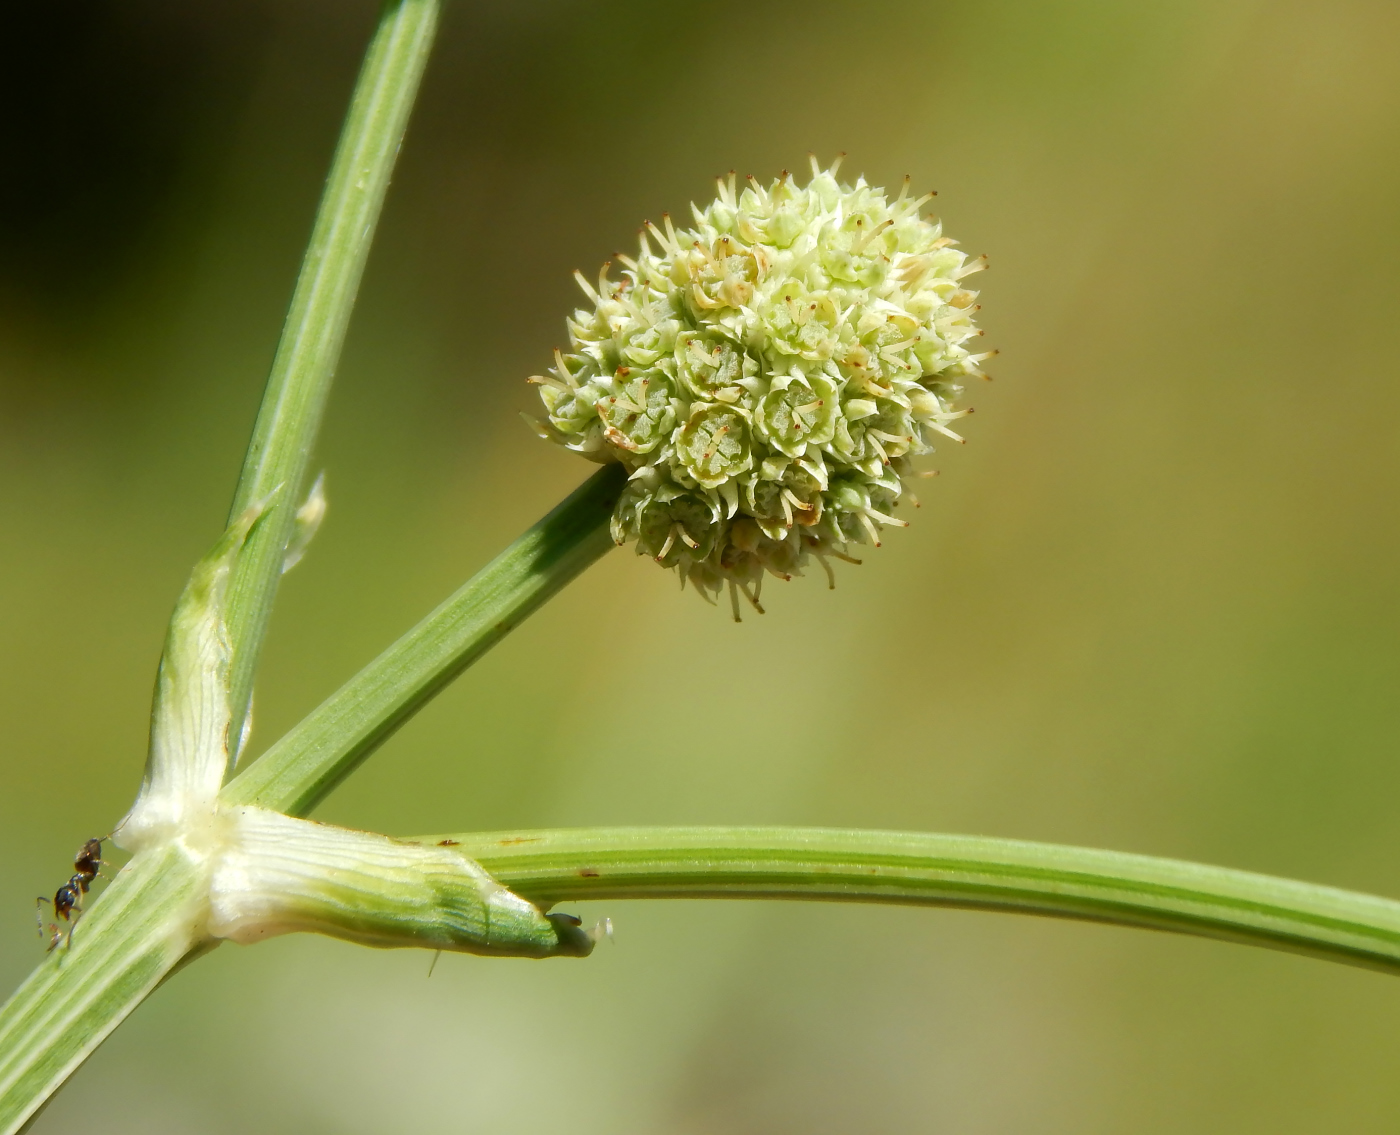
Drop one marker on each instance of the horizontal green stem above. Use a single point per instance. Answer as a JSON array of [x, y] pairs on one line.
[[300, 769], [119, 952], [943, 870]]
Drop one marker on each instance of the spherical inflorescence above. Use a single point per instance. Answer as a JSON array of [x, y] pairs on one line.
[[767, 376]]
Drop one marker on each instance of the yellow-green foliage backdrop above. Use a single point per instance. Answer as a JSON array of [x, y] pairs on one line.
[[1151, 605]]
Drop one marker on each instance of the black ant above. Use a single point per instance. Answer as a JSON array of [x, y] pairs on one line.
[[69, 897]]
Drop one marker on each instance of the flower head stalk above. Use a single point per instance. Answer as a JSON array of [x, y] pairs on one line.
[[768, 375]]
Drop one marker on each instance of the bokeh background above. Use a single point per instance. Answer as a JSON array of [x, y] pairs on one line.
[[1150, 606]]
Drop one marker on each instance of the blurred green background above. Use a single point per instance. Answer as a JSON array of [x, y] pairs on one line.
[[1150, 606]]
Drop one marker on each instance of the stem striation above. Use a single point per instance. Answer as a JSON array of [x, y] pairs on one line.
[[943, 870]]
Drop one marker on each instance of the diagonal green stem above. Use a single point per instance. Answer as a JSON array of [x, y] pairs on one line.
[[300, 769], [300, 381], [120, 951], [943, 870]]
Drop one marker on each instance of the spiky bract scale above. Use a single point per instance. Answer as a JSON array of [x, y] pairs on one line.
[[767, 375]]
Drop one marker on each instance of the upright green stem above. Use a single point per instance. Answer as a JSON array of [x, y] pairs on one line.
[[306, 357], [138, 931], [298, 771], [943, 870]]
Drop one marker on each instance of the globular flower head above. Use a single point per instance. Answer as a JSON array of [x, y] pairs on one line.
[[768, 375]]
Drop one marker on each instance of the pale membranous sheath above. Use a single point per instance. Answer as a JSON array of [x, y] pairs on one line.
[[259, 873]]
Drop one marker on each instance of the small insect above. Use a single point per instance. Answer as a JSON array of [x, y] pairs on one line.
[[67, 901], [88, 861]]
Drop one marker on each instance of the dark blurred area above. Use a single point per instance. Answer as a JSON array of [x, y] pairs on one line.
[[111, 122], [1150, 605]]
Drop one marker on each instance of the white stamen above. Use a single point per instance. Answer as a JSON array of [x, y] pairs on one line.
[[883, 519], [586, 286], [874, 535]]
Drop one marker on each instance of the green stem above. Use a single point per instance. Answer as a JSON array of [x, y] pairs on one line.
[[300, 381], [943, 870], [300, 769], [138, 930], [119, 952]]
